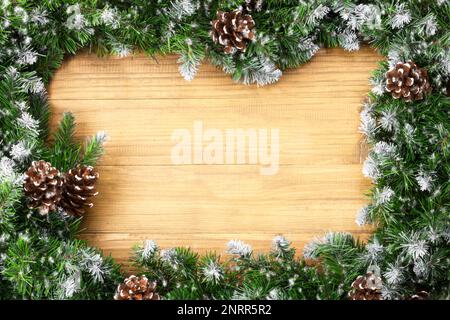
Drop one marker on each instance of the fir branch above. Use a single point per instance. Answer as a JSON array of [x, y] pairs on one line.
[[93, 149]]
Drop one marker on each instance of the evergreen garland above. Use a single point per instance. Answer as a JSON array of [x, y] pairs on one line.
[[40, 257]]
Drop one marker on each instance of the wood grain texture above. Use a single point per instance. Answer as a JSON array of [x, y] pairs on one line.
[[139, 102]]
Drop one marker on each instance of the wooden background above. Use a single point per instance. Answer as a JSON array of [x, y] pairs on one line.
[[139, 102]]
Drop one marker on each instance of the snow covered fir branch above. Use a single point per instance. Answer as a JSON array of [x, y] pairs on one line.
[[404, 120]]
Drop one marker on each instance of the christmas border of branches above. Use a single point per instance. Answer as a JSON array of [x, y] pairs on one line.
[[41, 257]]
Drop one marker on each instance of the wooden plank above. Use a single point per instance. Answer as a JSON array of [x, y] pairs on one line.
[[140, 102]]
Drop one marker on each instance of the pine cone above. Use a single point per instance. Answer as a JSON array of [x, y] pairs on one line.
[[136, 288], [42, 186], [253, 5], [366, 287], [233, 30], [421, 295], [407, 81], [79, 186]]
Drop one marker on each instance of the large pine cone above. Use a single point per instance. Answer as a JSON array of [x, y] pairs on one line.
[[233, 30], [137, 288], [366, 287], [42, 186], [407, 81], [79, 187]]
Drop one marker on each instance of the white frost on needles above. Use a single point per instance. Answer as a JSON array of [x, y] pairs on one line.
[[368, 124], [75, 20], [239, 248], [93, 263], [370, 168], [109, 17], [309, 250], [362, 217], [149, 249], [364, 14], [385, 149], [384, 196], [414, 246], [39, 17], [180, 9], [170, 257], [27, 122], [70, 286], [7, 172], [308, 46], [374, 250], [280, 244], [393, 274], [425, 181], [388, 120], [430, 26], [349, 40], [212, 272], [27, 57], [378, 86], [20, 151], [265, 72], [401, 17], [122, 50], [393, 57], [33, 85], [318, 14], [188, 66]]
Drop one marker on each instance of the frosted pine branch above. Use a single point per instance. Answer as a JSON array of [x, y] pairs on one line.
[[370, 168], [20, 151], [27, 122], [150, 247], [263, 72], [188, 67], [280, 244], [180, 9], [388, 120], [362, 217], [237, 247], [384, 195], [75, 20], [110, 18], [318, 14], [212, 272], [349, 40], [425, 181], [401, 17]]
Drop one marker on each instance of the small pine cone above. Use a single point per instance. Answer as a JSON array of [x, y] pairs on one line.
[[79, 186], [421, 295], [233, 30], [137, 288], [407, 81], [253, 5], [366, 287], [42, 186]]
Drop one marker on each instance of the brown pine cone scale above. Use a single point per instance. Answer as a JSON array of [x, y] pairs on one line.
[[366, 287], [233, 30], [42, 186], [137, 288], [79, 187], [407, 81]]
